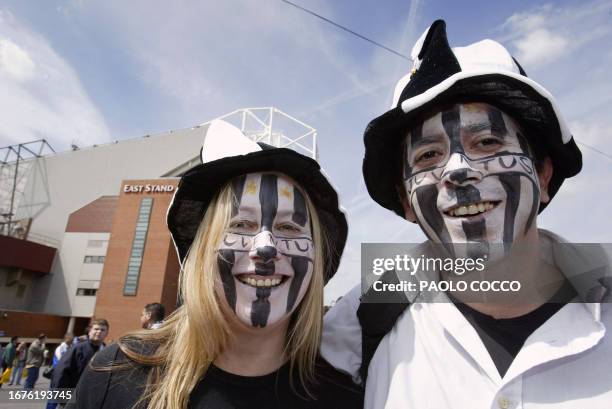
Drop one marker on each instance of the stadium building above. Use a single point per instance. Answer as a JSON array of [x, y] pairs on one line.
[[83, 233]]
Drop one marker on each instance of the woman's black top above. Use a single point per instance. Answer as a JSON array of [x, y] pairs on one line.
[[121, 388]]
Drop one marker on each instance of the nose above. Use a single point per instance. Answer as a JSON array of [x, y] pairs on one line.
[[459, 171], [264, 247]]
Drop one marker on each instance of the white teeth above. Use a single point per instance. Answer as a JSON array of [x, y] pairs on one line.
[[268, 282], [471, 209]]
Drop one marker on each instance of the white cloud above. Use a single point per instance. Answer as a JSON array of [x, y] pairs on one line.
[[540, 47], [542, 36], [42, 96], [14, 61]]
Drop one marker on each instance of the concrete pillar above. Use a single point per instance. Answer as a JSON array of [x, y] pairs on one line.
[[70, 329]]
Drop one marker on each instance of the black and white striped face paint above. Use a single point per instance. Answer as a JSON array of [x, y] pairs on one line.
[[266, 255], [470, 178]]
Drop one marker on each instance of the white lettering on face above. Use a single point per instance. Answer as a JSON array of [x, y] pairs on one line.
[[266, 255]]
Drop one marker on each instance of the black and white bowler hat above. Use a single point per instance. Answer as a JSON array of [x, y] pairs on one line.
[[227, 153], [481, 72]]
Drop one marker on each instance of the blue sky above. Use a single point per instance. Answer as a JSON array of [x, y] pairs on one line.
[[91, 72]]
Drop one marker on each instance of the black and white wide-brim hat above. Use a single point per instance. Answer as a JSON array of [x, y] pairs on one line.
[[227, 153], [481, 72]]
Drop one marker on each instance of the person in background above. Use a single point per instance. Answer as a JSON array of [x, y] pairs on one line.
[[152, 316], [8, 355], [34, 361], [70, 367], [19, 364], [62, 349]]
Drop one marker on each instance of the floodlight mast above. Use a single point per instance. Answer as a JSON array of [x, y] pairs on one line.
[[14, 169], [275, 127]]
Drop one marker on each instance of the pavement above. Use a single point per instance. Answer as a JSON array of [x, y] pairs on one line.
[[41, 384]]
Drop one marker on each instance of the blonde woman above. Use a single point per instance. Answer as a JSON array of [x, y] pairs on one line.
[[259, 233]]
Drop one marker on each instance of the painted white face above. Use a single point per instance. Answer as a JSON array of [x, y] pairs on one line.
[[266, 255], [470, 178]]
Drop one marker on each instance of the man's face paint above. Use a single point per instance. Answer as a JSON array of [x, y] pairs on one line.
[[470, 178], [266, 255]]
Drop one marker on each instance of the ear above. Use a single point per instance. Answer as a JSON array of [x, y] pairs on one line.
[[544, 176]]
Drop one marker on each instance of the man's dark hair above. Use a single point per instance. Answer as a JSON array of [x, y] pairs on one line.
[[157, 311], [15, 338]]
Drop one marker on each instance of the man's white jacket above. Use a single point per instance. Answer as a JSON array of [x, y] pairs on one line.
[[434, 358]]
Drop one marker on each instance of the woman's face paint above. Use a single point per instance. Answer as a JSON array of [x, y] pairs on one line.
[[470, 178], [266, 255]]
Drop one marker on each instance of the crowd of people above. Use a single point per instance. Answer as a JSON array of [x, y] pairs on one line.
[[23, 362], [20, 360]]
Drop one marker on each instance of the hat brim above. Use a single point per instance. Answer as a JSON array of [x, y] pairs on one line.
[[200, 184], [533, 108]]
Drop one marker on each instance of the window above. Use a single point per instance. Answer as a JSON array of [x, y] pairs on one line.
[[86, 291], [138, 245], [96, 243], [93, 260]]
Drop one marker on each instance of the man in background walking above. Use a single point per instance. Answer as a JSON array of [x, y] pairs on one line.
[[36, 357], [8, 355]]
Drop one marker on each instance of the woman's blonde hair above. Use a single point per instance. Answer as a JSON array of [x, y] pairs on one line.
[[183, 348]]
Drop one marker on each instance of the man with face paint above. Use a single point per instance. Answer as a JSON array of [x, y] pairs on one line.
[[472, 150]]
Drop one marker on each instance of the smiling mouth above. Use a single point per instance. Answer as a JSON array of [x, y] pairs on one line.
[[471, 209], [258, 281]]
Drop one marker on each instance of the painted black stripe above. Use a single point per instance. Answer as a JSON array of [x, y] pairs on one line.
[[300, 268], [268, 198], [264, 269], [466, 195], [300, 214], [451, 121], [238, 188], [416, 134], [225, 262], [475, 235], [427, 197], [458, 176], [512, 186], [535, 205], [498, 125], [266, 253], [260, 309]]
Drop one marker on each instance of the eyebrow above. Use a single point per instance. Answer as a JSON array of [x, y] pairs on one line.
[[427, 140], [474, 128]]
